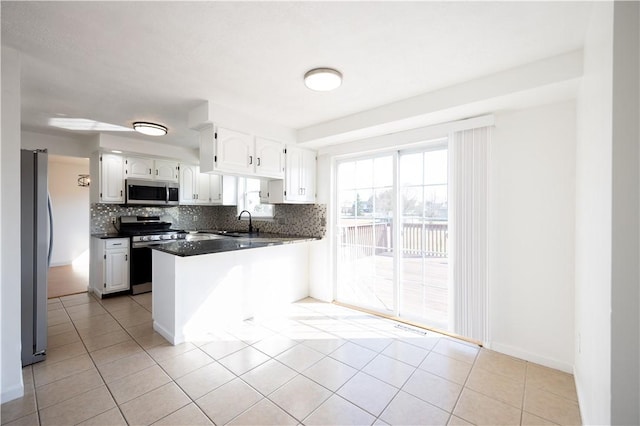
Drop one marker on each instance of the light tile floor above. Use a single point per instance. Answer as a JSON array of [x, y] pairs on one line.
[[316, 364]]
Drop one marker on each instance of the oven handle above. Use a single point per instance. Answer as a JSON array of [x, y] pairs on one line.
[[166, 197], [149, 244]]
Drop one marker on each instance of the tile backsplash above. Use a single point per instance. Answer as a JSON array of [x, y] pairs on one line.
[[291, 219]]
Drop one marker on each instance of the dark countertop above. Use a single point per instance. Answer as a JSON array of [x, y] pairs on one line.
[[106, 235], [194, 248]]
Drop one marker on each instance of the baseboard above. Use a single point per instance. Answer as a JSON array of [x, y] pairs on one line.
[[579, 395], [167, 335], [12, 393], [528, 356]]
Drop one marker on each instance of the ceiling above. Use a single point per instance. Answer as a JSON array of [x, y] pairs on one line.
[[118, 62]]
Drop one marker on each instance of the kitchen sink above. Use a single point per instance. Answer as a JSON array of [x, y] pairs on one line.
[[203, 237]]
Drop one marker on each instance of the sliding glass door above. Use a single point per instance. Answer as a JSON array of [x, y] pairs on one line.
[[365, 261], [424, 284], [396, 267]]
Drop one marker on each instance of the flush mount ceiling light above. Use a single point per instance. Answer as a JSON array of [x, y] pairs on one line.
[[151, 129], [323, 79]]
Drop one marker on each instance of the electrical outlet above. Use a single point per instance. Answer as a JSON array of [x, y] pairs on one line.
[[195, 217], [113, 220]]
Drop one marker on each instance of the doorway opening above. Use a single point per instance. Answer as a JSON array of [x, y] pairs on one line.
[[69, 269]]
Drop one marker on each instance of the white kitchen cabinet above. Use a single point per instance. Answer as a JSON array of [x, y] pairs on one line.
[[166, 170], [151, 169], [231, 152], [234, 151], [109, 265], [224, 190], [206, 188], [299, 184], [264, 191], [107, 173], [269, 158], [139, 168], [188, 183]]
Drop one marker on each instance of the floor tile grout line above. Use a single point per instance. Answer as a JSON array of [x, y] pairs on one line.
[[104, 383], [275, 330], [156, 363], [464, 386]]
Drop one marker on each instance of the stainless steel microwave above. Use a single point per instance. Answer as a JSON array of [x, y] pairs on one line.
[[151, 192]]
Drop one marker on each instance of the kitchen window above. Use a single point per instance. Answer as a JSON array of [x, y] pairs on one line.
[[249, 199]]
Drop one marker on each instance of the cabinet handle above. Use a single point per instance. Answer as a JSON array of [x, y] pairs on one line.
[[116, 244], [250, 159], [156, 172], [149, 171], [126, 257], [258, 161], [121, 192]]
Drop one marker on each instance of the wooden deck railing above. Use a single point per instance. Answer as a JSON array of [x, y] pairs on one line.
[[418, 239]]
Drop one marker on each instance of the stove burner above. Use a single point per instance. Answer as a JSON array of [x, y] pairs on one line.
[[148, 228]]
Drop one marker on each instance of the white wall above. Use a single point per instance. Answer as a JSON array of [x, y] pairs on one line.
[[531, 234], [532, 187], [70, 209], [79, 146], [593, 221], [11, 385]]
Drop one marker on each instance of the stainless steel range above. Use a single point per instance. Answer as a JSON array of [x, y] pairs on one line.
[[145, 232]]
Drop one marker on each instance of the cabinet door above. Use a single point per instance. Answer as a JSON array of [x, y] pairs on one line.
[[116, 270], [215, 188], [264, 191], [308, 177], [269, 158], [234, 152], [293, 176], [139, 168], [188, 183], [229, 190], [111, 178], [166, 170]]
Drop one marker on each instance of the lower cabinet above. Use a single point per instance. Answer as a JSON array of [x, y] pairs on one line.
[[109, 265]]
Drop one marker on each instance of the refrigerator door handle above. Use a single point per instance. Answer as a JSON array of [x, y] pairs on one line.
[[50, 209]]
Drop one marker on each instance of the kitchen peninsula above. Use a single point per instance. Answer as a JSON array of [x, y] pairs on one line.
[[201, 286]]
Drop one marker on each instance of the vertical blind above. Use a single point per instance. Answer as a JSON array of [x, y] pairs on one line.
[[468, 162]]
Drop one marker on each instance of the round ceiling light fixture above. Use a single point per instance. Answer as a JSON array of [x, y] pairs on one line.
[[323, 79], [151, 129]]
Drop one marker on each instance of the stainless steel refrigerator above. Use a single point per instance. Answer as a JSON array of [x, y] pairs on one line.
[[36, 244]]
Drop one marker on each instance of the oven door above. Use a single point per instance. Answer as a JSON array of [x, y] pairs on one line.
[[140, 266]]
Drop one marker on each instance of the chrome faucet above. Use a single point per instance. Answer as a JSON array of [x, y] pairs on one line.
[[249, 213]]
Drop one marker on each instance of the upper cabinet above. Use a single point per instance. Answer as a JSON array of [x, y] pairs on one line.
[[206, 189], [299, 184], [148, 168], [109, 185], [232, 152], [138, 168], [166, 170], [269, 158]]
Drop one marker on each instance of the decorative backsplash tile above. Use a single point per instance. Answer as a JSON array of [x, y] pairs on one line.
[[308, 220], [291, 219]]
